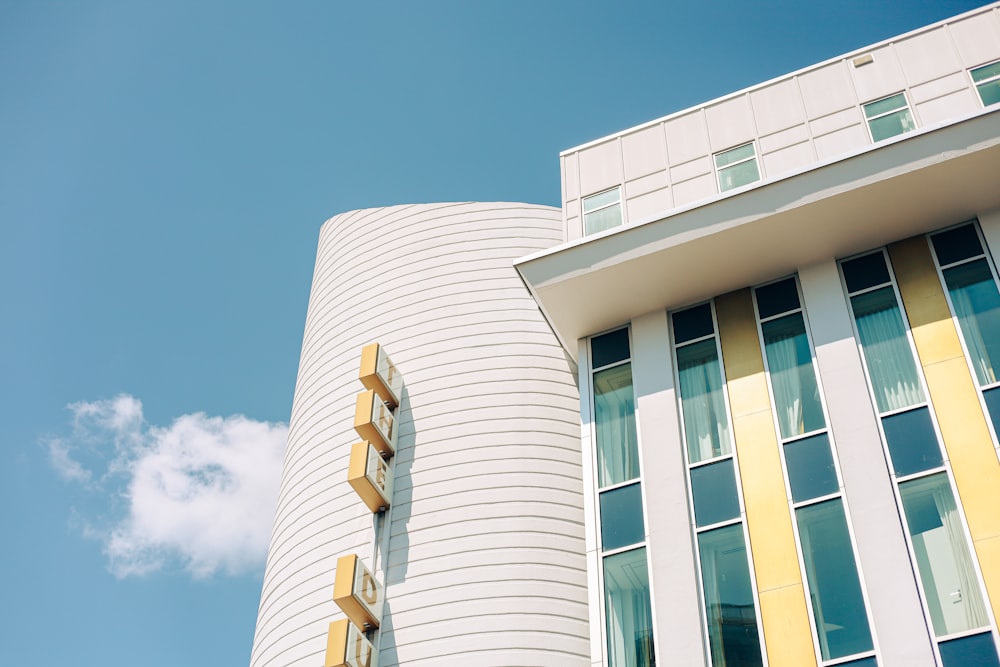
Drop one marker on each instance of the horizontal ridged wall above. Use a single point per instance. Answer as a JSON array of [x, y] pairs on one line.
[[485, 562]]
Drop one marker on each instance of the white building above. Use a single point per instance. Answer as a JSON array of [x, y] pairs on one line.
[[780, 448]]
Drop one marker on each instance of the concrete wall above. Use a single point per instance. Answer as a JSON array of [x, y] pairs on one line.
[[485, 563]]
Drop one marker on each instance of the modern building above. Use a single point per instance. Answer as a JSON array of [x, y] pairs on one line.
[[735, 403]]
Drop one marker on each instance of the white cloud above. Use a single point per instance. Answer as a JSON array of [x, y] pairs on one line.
[[199, 493]]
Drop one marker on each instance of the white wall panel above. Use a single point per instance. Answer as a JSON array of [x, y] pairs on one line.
[[947, 107], [730, 123], [927, 56], [687, 138], [486, 550], [880, 78], [827, 89], [600, 167], [977, 38], [644, 152], [777, 107]]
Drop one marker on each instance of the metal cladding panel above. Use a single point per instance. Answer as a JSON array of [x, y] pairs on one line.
[[485, 560]]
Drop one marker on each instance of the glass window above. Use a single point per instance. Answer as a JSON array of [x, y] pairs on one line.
[[793, 379], [977, 650], [987, 80], [602, 211], [888, 356], [942, 555], [777, 298], [865, 272], [629, 621], [956, 244], [976, 302], [863, 662], [729, 606], [811, 472], [913, 444], [992, 398], [889, 117], [693, 323], [621, 517], [835, 590], [614, 417], [736, 167], [609, 348], [714, 489], [706, 424]]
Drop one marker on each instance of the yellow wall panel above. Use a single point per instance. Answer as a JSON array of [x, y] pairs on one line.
[[953, 393], [784, 615], [768, 516], [968, 445], [786, 623], [988, 551]]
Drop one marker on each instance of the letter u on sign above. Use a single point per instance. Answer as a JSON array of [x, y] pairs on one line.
[[346, 646], [357, 592]]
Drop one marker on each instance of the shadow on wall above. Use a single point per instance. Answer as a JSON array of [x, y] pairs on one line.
[[394, 547]]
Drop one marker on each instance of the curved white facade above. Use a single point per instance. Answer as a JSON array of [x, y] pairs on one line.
[[486, 560]]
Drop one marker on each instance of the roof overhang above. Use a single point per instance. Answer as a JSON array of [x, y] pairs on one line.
[[919, 182]]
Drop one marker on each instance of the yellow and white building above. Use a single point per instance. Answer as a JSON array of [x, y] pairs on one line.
[[736, 402]]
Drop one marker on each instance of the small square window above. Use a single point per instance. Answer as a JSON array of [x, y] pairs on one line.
[[987, 80], [737, 166], [602, 211], [889, 117]]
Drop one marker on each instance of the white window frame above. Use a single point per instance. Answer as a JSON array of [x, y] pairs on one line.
[[875, 651], [945, 466], [981, 389], [600, 553], [618, 202], [732, 455], [906, 107], [719, 170], [975, 84]]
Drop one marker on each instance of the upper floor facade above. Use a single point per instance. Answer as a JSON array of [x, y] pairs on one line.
[[925, 79]]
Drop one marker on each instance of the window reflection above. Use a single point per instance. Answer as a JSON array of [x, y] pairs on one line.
[[629, 621]]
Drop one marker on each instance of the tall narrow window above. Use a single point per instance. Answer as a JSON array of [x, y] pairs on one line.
[[939, 546], [888, 117], [975, 303], [838, 608], [736, 167], [602, 211], [730, 611], [627, 613], [987, 81]]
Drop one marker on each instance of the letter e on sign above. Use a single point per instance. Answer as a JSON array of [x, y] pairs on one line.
[[370, 477]]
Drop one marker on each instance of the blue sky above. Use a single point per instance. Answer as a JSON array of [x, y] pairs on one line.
[[164, 170]]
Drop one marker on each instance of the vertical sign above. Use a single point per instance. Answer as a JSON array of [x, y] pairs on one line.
[[346, 646], [374, 421], [357, 592], [370, 476], [379, 374]]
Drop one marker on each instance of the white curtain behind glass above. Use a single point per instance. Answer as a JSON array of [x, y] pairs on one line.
[[710, 578], [617, 447], [793, 380], [706, 425], [629, 624], [887, 351], [942, 555], [974, 296]]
